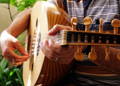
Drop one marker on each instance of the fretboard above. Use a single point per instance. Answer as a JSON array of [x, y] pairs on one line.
[[89, 38]]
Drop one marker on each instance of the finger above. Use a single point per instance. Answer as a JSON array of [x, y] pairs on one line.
[[54, 47], [43, 46], [57, 49], [13, 61], [10, 54], [52, 44], [58, 28], [47, 49], [16, 63], [20, 48]]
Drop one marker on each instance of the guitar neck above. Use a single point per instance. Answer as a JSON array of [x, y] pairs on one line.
[[89, 38]]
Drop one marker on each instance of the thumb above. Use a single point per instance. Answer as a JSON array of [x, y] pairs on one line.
[[58, 28]]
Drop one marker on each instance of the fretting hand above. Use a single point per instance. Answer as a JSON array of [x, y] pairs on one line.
[[56, 52]]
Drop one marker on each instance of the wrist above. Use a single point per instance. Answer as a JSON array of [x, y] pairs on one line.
[[5, 37], [12, 33]]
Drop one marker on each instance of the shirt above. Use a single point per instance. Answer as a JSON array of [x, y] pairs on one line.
[[106, 9]]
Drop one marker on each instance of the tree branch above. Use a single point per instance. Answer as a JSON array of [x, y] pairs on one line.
[[10, 11]]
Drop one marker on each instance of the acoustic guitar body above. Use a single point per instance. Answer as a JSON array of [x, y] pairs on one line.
[[39, 70]]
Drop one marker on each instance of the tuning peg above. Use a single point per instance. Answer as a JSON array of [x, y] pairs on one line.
[[101, 25], [118, 56], [92, 55], [74, 22], [78, 54], [116, 24], [87, 21]]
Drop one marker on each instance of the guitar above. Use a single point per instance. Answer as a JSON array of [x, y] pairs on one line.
[[40, 70]]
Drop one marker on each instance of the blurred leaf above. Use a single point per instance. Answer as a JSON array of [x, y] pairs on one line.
[[6, 71], [8, 83], [13, 2], [11, 73], [1, 72], [22, 4], [18, 72], [3, 63], [4, 1]]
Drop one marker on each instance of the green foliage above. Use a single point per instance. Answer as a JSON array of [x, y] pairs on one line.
[[4, 1], [22, 4], [10, 76]]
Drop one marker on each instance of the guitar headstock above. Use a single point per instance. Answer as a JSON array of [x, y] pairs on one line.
[[87, 37]]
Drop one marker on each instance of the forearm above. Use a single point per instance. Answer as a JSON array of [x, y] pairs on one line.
[[20, 24]]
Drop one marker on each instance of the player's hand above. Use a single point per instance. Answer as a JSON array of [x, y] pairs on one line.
[[9, 45], [56, 52]]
